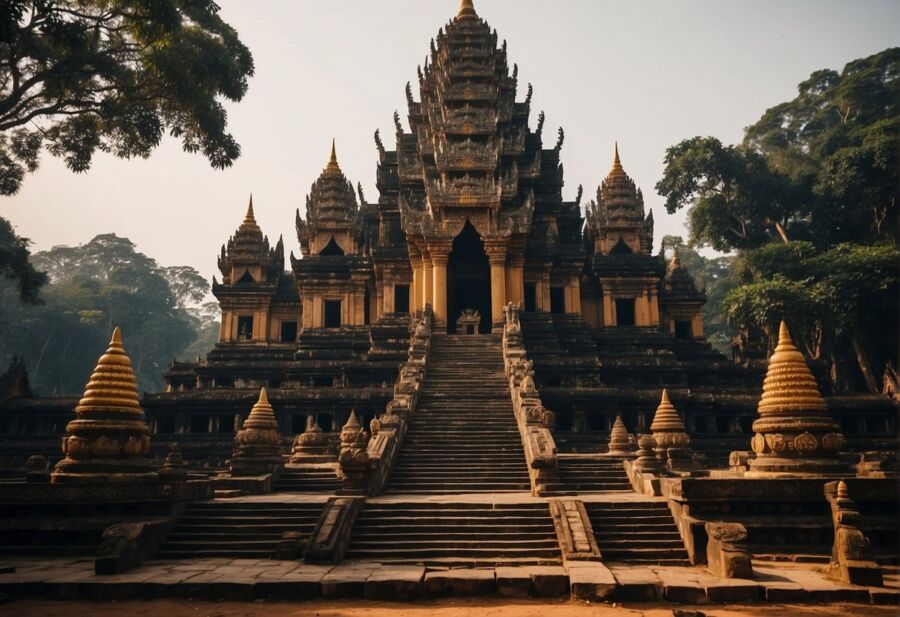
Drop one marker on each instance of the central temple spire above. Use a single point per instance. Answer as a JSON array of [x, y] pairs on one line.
[[333, 162], [466, 9]]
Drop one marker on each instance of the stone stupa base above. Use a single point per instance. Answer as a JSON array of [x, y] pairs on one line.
[[782, 467]]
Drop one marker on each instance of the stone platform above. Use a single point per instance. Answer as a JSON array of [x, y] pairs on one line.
[[250, 579]]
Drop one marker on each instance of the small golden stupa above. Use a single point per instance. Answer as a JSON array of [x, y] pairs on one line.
[[257, 447], [672, 440], [795, 435], [109, 439], [620, 442]]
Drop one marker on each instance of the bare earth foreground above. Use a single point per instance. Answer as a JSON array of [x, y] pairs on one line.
[[440, 608]]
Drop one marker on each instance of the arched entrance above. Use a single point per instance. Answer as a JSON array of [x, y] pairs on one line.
[[468, 279]]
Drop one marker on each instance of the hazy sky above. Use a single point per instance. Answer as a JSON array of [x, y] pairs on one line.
[[647, 74]]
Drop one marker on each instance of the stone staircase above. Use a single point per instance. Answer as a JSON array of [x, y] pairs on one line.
[[308, 479], [642, 532], [593, 474], [463, 436], [455, 534], [236, 529]]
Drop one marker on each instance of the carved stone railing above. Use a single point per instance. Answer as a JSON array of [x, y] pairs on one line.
[[533, 419], [365, 465]]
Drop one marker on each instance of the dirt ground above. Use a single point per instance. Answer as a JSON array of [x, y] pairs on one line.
[[441, 608]]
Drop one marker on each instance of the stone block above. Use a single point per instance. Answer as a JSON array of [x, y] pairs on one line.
[[726, 553], [460, 582], [840, 594], [346, 582], [785, 592], [591, 581], [513, 582], [549, 581], [637, 584], [682, 587], [734, 591], [885, 596], [395, 583]]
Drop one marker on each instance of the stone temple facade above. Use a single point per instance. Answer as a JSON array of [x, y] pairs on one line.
[[523, 376]]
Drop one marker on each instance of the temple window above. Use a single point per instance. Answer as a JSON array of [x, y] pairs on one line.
[[246, 278], [564, 421], [165, 425], [245, 328], [530, 297], [288, 331], [683, 330], [625, 312], [225, 424], [323, 382], [200, 424], [332, 313], [326, 421], [723, 424], [401, 298], [874, 425], [598, 422], [298, 423], [850, 426], [557, 299], [621, 248]]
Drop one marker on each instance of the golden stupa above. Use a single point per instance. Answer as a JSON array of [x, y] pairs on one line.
[[794, 432], [258, 444], [109, 438], [620, 442]]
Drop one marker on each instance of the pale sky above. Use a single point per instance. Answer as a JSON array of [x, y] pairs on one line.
[[647, 74]]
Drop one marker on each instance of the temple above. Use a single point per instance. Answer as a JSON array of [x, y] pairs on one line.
[[473, 331]]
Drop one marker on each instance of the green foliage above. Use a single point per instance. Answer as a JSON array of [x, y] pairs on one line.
[[93, 288], [114, 76], [15, 267]]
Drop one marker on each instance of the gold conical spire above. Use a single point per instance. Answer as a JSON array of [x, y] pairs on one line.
[[619, 439], [789, 385], [262, 416], [617, 170], [112, 386], [249, 222], [333, 166], [666, 419], [466, 9], [109, 436]]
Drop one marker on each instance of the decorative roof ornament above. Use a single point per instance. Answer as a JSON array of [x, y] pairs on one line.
[[109, 439], [466, 10], [794, 434]]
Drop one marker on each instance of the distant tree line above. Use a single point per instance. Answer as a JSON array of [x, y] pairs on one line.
[[808, 203], [89, 290]]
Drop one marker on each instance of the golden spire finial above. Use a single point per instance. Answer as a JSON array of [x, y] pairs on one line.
[[789, 384], [262, 415], [466, 9], [250, 217], [333, 166], [116, 338], [617, 169], [666, 418], [264, 396]]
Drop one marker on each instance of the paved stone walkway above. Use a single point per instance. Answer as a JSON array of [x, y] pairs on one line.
[[248, 579]]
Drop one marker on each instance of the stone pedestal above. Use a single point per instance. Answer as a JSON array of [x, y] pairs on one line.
[[726, 555], [313, 446]]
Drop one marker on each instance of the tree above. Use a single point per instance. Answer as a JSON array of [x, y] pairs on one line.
[[93, 288], [738, 201], [14, 264], [114, 75]]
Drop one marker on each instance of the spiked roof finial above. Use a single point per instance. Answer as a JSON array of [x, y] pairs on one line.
[[250, 217], [466, 9], [333, 166]]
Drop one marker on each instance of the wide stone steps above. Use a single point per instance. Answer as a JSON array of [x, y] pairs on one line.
[[310, 480], [463, 436], [464, 534], [238, 529], [637, 533], [594, 474]]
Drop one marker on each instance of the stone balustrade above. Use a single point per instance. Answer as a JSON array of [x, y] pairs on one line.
[[533, 419], [366, 460]]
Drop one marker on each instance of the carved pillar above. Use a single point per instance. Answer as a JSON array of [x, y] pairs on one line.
[[575, 294], [427, 280], [440, 255], [496, 252], [654, 309], [697, 326]]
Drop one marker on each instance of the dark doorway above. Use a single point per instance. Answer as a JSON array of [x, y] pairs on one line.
[[332, 249], [530, 297], [683, 330], [245, 328], [468, 279], [625, 312], [557, 299], [401, 298], [288, 331], [621, 248], [332, 313]]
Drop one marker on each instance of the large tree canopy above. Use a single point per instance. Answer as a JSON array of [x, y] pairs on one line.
[[77, 76], [822, 167], [15, 266], [93, 288]]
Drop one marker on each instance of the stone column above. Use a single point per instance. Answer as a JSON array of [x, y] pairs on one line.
[[440, 255], [515, 280], [609, 317], [496, 252], [654, 308], [576, 296], [427, 280], [697, 326]]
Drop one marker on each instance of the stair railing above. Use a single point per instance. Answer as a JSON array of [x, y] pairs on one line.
[[389, 430], [532, 418]]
